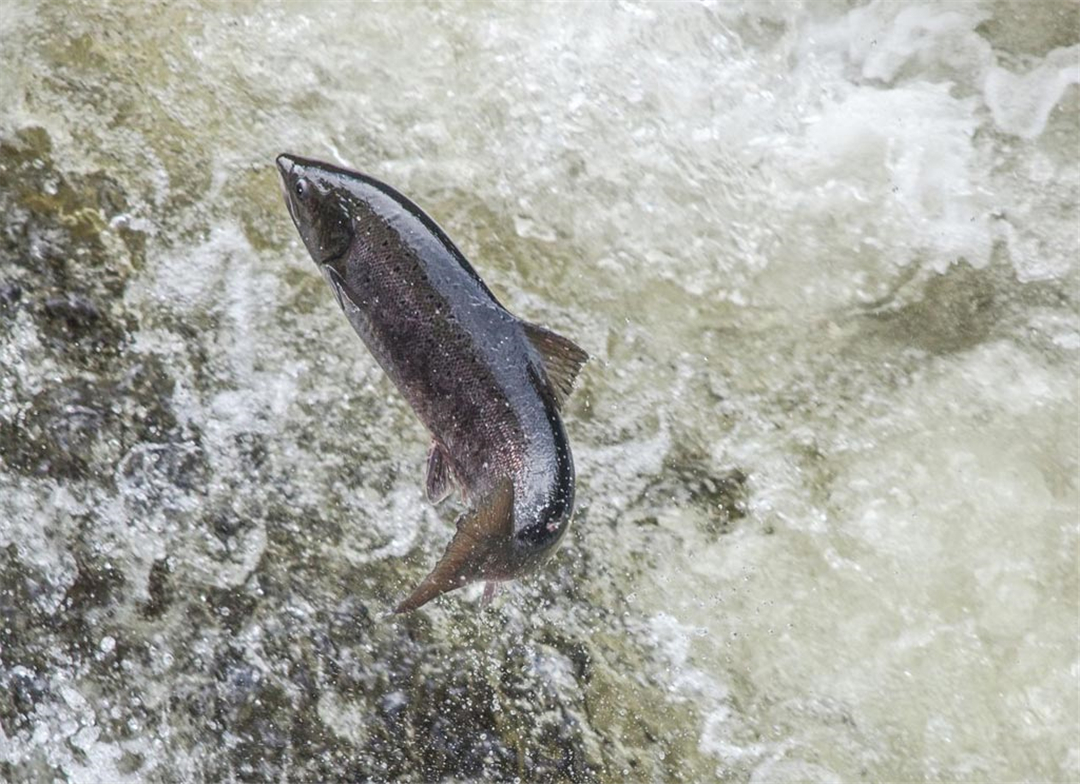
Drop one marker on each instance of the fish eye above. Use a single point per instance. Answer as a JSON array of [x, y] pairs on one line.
[[301, 188]]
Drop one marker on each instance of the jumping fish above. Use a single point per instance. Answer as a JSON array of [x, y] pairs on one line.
[[487, 385]]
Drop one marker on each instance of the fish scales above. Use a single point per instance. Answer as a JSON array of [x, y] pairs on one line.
[[486, 384], [442, 340]]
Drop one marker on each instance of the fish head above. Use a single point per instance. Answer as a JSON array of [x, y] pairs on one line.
[[319, 198]]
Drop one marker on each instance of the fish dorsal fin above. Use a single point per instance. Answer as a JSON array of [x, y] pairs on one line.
[[475, 551], [439, 480], [562, 359]]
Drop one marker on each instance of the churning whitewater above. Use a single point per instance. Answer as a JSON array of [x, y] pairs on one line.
[[824, 257]]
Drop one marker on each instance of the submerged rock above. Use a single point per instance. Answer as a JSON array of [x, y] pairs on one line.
[[191, 610], [826, 455]]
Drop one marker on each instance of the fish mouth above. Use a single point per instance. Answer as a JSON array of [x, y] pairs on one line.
[[285, 164]]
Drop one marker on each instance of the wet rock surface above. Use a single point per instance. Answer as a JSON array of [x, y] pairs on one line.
[[279, 671], [826, 447]]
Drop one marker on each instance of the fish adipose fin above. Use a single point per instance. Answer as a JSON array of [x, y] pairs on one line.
[[562, 359], [474, 552], [440, 483]]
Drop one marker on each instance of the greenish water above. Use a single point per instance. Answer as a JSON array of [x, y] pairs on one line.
[[824, 256]]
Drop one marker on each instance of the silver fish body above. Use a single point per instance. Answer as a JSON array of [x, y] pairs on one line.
[[487, 385]]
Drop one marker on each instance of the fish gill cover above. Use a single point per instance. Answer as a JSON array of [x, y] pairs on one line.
[[825, 255]]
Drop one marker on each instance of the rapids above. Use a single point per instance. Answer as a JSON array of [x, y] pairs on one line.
[[824, 256]]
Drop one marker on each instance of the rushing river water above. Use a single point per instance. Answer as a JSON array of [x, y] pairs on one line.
[[824, 256]]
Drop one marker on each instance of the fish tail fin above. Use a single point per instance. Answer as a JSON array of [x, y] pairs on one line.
[[474, 550]]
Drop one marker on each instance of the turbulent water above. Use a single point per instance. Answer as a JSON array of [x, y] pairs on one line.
[[824, 256]]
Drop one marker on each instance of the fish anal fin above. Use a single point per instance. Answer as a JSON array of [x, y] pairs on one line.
[[439, 479], [475, 552], [562, 358], [490, 589]]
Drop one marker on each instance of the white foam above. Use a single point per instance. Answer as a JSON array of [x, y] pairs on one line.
[[884, 38], [1021, 103], [731, 207]]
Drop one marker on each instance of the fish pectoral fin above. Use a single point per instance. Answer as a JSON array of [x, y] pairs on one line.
[[358, 318], [440, 482], [337, 285], [562, 357], [341, 294], [473, 552]]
